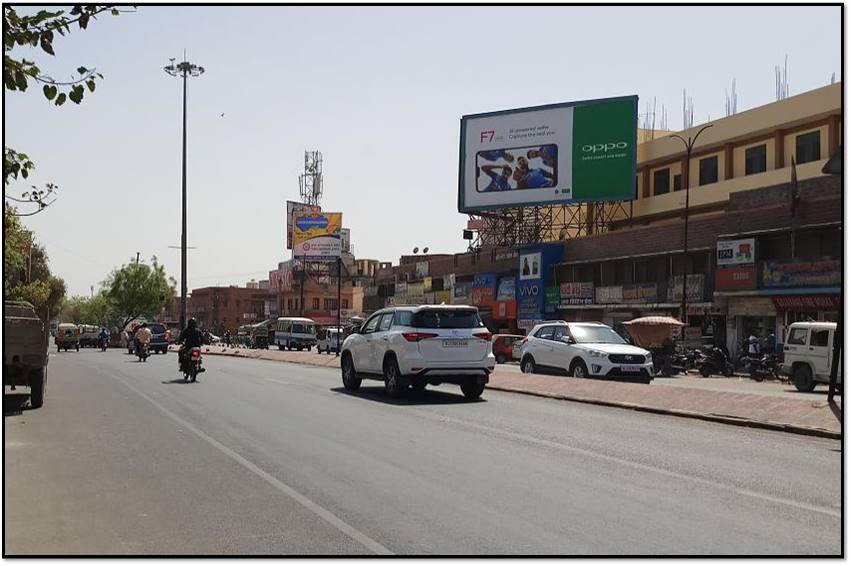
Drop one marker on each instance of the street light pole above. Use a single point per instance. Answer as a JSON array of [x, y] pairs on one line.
[[184, 70], [689, 144]]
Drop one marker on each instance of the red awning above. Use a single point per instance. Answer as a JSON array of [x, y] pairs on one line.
[[807, 302]]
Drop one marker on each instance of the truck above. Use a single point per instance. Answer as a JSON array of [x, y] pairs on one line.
[[25, 350]]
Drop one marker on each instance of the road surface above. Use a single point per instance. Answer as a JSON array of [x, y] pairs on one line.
[[263, 457]]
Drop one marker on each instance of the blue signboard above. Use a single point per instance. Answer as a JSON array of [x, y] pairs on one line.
[[533, 275]]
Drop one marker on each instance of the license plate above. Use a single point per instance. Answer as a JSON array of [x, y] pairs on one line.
[[455, 343], [630, 369]]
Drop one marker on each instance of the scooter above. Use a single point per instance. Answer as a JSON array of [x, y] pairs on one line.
[[142, 352], [766, 367], [192, 365], [104, 344], [716, 362]]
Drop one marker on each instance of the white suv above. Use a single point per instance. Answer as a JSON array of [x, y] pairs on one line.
[[584, 349], [420, 345]]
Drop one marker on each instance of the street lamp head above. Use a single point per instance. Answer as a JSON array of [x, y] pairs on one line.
[[183, 69]]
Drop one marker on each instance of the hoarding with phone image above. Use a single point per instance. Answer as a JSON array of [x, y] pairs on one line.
[[556, 154]]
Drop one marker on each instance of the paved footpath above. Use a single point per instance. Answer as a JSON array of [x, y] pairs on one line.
[[810, 415]]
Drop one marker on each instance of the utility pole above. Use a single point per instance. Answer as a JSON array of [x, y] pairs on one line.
[[137, 258], [184, 70], [685, 179], [339, 302]]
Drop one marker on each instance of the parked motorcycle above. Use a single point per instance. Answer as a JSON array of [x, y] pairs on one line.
[[192, 365], [142, 352], [685, 359], [765, 367], [715, 362]]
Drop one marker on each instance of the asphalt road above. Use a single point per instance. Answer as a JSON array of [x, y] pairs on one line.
[[262, 457]]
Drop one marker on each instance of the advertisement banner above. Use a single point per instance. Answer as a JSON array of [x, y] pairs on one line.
[[505, 310], [506, 290], [807, 303], [528, 324], [297, 207], [530, 266], [428, 298], [640, 293], [416, 293], [735, 252], [461, 293], [281, 279], [533, 267], [607, 295], [443, 297], [694, 288], [316, 235], [421, 269], [560, 153], [400, 290], [552, 297], [449, 281], [735, 278], [484, 289], [578, 293], [819, 273], [427, 284]]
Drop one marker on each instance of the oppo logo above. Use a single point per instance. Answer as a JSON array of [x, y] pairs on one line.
[[594, 148]]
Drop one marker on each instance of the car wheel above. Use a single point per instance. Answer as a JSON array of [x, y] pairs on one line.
[[500, 358], [394, 383], [472, 389], [803, 378], [528, 365], [579, 370], [37, 388], [351, 382]]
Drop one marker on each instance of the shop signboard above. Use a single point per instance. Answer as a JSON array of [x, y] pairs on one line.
[[461, 293], [297, 207], [415, 293], [443, 297], [484, 289], [552, 297], [506, 291], [735, 278], [316, 235], [506, 310], [610, 295], [533, 270], [694, 288], [504, 254], [577, 293], [801, 303], [449, 281], [421, 269], [428, 298], [427, 284], [640, 293], [555, 154], [401, 289], [735, 252], [528, 324], [819, 273], [751, 306]]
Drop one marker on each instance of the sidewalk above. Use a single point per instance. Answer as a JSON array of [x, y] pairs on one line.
[[810, 415]]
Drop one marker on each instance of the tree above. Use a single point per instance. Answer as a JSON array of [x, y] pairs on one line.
[[26, 273], [39, 30], [98, 310], [138, 289]]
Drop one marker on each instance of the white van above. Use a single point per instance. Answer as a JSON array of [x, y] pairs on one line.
[[327, 341], [295, 332], [808, 352]]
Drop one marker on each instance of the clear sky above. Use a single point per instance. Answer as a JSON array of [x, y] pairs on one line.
[[379, 90]]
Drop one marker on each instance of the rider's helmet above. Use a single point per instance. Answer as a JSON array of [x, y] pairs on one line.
[[192, 323]]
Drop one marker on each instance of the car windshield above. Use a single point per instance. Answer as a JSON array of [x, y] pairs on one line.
[[157, 328], [466, 318], [596, 335], [302, 329]]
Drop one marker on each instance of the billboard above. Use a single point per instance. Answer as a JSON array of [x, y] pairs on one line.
[[296, 207], [735, 252], [825, 272], [316, 235], [577, 293], [281, 279], [555, 154]]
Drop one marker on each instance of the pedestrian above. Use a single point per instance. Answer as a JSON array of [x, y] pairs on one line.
[[753, 344]]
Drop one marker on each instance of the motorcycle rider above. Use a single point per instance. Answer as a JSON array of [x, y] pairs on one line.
[[104, 335], [189, 338], [143, 337]]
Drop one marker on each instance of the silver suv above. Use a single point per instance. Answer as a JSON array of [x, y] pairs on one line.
[[414, 346]]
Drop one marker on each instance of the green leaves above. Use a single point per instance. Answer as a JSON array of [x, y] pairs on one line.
[[76, 94], [91, 84], [49, 92], [60, 100]]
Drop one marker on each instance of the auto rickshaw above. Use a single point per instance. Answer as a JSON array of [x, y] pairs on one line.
[[655, 333], [259, 335], [67, 337]]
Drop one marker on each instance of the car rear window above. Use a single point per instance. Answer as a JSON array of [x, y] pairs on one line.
[[445, 318], [157, 328]]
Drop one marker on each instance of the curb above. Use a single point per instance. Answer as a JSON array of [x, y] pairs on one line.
[[711, 417]]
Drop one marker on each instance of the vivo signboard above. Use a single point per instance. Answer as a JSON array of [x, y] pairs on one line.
[[560, 153]]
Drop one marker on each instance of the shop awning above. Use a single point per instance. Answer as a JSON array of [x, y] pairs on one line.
[[780, 292], [633, 306]]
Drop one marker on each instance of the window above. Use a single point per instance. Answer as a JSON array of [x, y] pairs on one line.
[[385, 323], [678, 182], [798, 336], [661, 181], [808, 147], [370, 325], [559, 332], [402, 318], [460, 318], [345, 303], [818, 338], [316, 303], [708, 170], [546, 333], [755, 161], [330, 304]]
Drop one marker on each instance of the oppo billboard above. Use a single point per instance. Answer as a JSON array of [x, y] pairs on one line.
[[556, 154]]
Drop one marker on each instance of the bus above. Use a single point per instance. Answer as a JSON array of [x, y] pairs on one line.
[[295, 332]]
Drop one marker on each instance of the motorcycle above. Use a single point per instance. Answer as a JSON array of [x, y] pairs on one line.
[[192, 365], [715, 362], [142, 352], [685, 360], [104, 343], [766, 367]]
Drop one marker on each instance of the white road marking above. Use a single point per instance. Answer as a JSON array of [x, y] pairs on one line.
[[310, 505]]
